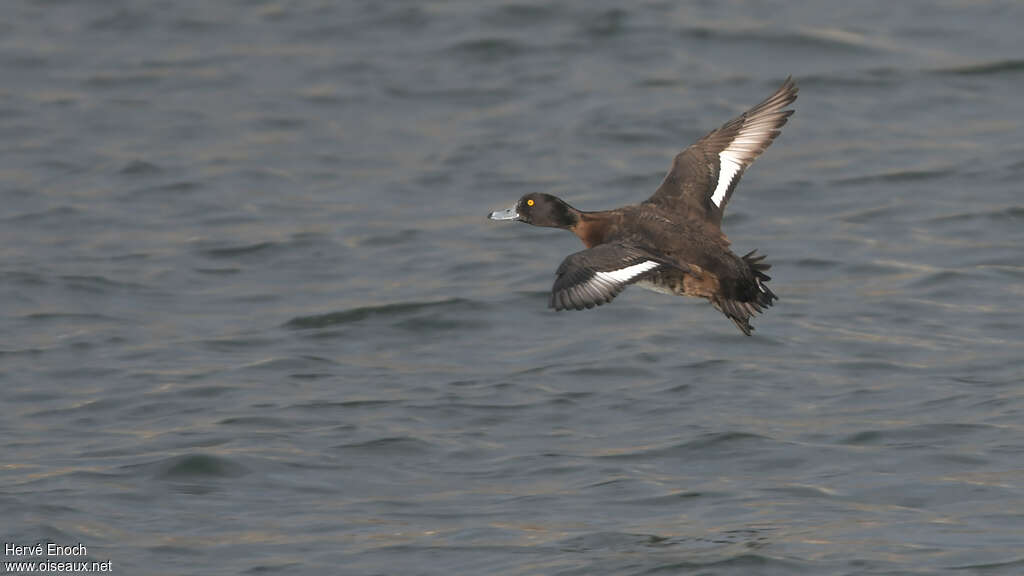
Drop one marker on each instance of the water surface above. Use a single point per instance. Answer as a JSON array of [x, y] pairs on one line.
[[255, 321]]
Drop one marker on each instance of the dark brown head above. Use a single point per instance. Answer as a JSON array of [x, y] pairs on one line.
[[540, 210]]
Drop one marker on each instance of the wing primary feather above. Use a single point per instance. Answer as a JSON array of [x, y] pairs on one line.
[[597, 275], [690, 189]]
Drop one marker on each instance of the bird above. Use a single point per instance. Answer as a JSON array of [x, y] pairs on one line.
[[673, 241]]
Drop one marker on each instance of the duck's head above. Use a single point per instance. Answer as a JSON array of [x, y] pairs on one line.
[[540, 209]]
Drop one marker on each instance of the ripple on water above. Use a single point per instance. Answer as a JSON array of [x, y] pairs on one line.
[[393, 446], [169, 189], [196, 467], [405, 236], [413, 316], [675, 498], [55, 215], [991, 67], [258, 422], [255, 248], [614, 372], [862, 78], [1015, 566], [899, 176], [290, 363], [69, 316], [606, 23], [516, 15], [98, 284], [234, 343], [916, 436], [140, 168], [487, 50], [614, 540], [728, 551], [91, 407], [818, 39], [1011, 214], [712, 445]]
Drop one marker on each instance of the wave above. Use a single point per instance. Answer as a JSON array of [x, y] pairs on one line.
[[395, 310], [1008, 66]]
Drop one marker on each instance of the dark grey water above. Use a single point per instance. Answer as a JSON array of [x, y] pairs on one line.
[[254, 319]]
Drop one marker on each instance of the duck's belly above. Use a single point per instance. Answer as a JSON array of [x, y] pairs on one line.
[[695, 282], [656, 287]]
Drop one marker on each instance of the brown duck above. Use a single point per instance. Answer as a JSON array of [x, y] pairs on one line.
[[672, 242]]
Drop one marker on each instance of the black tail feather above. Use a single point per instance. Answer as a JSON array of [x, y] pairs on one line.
[[757, 298]]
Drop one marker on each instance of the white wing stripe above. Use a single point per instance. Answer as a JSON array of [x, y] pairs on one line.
[[626, 274], [730, 165], [754, 135]]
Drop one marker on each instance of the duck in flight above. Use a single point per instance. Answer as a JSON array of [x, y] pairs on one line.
[[673, 241]]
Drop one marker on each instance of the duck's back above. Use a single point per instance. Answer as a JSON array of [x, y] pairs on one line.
[[683, 241], [705, 265]]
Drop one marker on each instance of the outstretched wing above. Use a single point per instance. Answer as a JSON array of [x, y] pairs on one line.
[[595, 276], [704, 175]]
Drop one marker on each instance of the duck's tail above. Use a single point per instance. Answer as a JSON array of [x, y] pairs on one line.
[[751, 300]]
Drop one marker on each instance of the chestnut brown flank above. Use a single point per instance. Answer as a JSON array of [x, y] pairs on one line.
[[592, 228]]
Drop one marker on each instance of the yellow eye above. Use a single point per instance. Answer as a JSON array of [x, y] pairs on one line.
[[529, 202]]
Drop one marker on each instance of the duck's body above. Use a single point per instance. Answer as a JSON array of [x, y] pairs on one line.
[[673, 241]]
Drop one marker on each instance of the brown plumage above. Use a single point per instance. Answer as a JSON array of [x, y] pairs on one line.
[[673, 241]]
